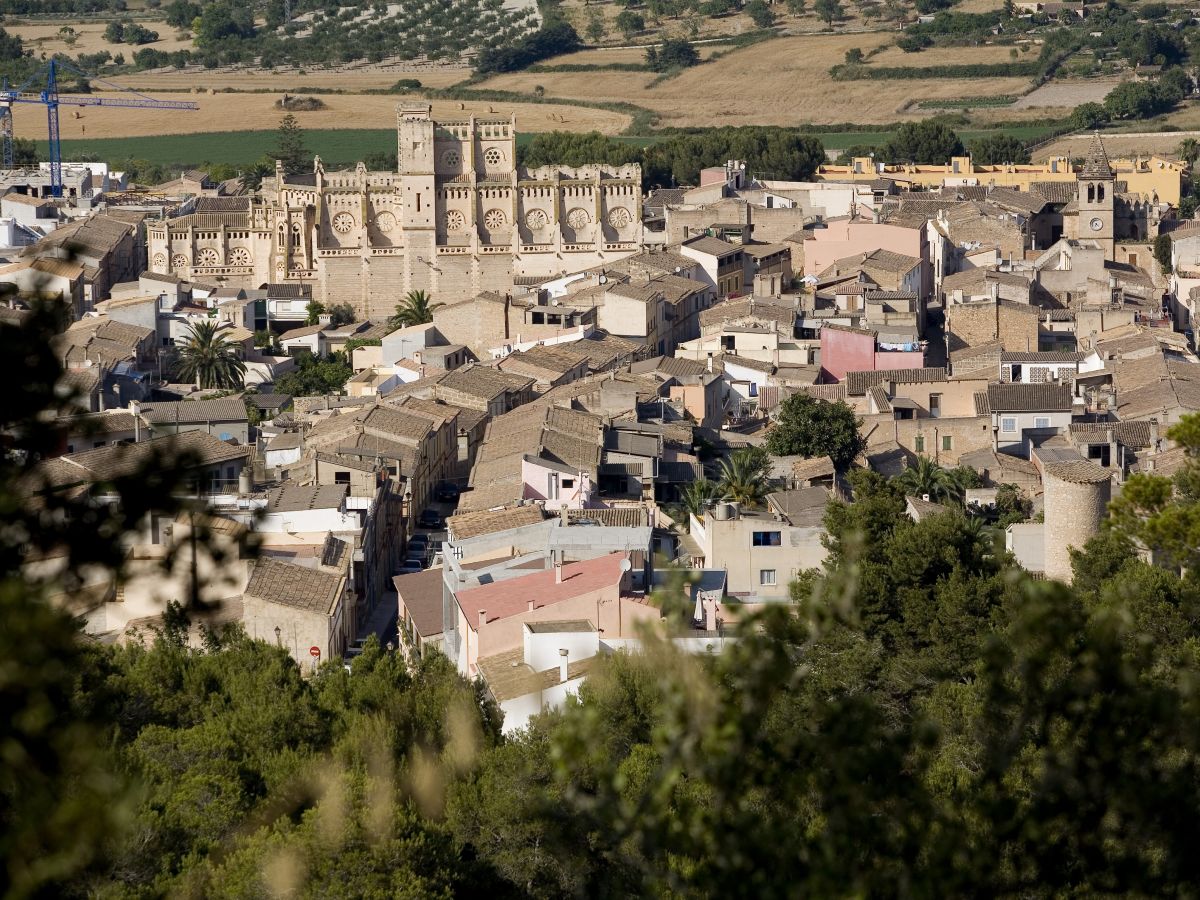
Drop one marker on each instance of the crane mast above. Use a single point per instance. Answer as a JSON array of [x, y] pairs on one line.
[[49, 97]]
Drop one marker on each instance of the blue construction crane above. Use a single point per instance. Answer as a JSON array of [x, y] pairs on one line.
[[51, 99]]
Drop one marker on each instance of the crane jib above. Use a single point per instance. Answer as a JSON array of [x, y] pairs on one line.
[[50, 98]]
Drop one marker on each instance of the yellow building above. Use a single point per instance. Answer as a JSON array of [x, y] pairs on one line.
[[1152, 177]]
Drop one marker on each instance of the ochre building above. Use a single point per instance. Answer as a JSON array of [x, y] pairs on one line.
[[457, 217]]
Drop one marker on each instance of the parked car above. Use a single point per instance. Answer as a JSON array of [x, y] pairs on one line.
[[419, 541], [430, 519], [411, 566], [447, 492]]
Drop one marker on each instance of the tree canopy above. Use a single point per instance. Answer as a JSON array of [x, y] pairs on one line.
[[810, 427], [930, 141]]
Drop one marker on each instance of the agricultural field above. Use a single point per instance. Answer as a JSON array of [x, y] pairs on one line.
[[779, 82], [251, 112], [342, 78], [1165, 143], [1068, 93], [89, 38]]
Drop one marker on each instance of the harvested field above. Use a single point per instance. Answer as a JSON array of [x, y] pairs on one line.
[[1068, 93], [364, 79], [1115, 144], [220, 112], [985, 54], [608, 56], [780, 82], [89, 38]]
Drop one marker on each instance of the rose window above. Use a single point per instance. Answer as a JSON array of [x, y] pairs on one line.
[[494, 220], [160, 262], [455, 220], [578, 218], [451, 159], [343, 222], [619, 217], [208, 257], [239, 256], [493, 157], [385, 222], [536, 219], [179, 261]]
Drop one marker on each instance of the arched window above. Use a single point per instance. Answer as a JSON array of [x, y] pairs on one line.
[[1100, 192], [1091, 193]]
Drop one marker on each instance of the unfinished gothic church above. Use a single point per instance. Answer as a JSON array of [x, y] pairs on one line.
[[457, 217]]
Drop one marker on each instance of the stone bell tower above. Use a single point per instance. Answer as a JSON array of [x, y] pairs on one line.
[[415, 160], [1096, 198]]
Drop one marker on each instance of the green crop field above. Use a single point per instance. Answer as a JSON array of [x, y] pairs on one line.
[[335, 147], [339, 147]]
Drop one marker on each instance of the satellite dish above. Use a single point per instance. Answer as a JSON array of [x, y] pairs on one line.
[[603, 279], [626, 565]]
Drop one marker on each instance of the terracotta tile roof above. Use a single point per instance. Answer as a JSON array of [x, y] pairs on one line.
[[508, 677], [287, 584], [1135, 435], [192, 412], [473, 524], [421, 594], [803, 507], [1047, 356], [1029, 398], [291, 497], [511, 596], [712, 246], [483, 381], [615, 517], [302, 331], [857, 383], [115, 461], [1055, 192], [1079, 471]]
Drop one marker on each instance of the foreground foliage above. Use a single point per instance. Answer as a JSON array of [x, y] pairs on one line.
[[927, 721]]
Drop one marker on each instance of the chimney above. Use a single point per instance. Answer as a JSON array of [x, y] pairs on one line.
[[710, 359], [563, 664], [482, 618], [1154, 435], [558, 573], [529, 606]]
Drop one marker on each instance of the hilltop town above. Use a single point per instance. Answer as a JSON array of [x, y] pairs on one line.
[[499, 413]]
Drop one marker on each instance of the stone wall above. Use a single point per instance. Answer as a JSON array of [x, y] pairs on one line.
[[972, 324]]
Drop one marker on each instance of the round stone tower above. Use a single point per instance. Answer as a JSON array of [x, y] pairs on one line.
[[1075, 497]]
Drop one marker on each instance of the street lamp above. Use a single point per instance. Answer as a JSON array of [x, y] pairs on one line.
[[278, 635]]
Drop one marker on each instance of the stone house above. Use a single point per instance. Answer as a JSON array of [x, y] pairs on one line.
[[224, 417], [1025, 415], [304, 609]]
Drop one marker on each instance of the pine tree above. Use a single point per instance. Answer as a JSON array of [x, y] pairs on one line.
[[289, 146]]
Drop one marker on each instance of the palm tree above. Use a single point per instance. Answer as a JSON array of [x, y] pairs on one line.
[[1189, 150], [927, 478], [211, 359], [695, 496], [744, 477], [414, 309]]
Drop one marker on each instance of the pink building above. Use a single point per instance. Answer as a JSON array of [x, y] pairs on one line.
[[492, 616], [849, 237], [845, 349]]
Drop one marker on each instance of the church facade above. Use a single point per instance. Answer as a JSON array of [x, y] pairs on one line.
[[458, 217]]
